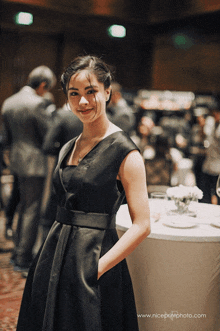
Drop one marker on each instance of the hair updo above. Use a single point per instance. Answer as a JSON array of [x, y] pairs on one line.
[[91, 63]]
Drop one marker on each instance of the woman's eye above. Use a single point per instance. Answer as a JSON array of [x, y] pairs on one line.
[[73, 94], [91, 92]]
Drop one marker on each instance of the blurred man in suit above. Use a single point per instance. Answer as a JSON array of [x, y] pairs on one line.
[[65, 126], [26, 124], [119, 111]]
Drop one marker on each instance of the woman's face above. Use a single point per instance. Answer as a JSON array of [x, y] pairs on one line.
[[87, 97]]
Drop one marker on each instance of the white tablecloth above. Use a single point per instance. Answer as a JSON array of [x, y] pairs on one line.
[[176, 272]]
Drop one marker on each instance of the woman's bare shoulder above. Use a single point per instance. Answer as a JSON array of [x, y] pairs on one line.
[[132, 165]]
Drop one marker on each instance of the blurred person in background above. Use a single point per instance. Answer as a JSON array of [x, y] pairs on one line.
[[176, 125], [119, 112], [159, 168], [198, 142], [211, 164], [1, 165], [10, 208], [25, 126], [65, 126], [142, 137]]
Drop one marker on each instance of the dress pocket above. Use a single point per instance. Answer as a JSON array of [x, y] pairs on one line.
[[90, 255], [111, 277]]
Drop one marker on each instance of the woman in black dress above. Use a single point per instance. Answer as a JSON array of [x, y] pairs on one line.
[[79, 280]]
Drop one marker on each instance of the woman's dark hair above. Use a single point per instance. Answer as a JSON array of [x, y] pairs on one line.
[[91, 63]]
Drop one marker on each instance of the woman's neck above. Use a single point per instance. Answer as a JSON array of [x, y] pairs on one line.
[[95, 129]]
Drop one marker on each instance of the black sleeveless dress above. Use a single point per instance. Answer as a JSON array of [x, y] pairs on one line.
[[62, 291]]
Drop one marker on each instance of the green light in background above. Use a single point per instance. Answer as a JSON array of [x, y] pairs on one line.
[[23, 18], [182, 41], [117, 31]]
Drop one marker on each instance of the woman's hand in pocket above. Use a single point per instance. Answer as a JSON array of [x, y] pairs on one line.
[[100, 269]]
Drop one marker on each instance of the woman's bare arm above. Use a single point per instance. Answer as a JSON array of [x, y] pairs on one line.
[[133, 178]]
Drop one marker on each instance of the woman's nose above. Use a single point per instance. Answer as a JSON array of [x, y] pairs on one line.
[[83, 100]]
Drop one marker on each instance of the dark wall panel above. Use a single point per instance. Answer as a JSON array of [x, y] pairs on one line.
[[196, 68], [22, 52]]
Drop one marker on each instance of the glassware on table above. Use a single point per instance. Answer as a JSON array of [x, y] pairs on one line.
[[157, 205], [218, 187], [185, 207], [217, 222]]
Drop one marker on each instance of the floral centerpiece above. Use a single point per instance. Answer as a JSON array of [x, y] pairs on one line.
[[183, 195]]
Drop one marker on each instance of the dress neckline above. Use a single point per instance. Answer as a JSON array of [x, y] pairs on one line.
[[76, 165]]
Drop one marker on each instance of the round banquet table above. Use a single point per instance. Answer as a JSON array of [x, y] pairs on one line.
[[176, 271]]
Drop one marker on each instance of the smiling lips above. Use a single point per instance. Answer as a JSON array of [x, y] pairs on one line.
[[85, 111]]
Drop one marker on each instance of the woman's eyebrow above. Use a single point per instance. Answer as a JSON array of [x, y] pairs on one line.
[[72, 88], [86, 88], [91, 86]]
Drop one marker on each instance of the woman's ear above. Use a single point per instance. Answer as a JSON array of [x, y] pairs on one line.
[[108, 93]]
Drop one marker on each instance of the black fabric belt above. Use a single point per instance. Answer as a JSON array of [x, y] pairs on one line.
[[89, 220]]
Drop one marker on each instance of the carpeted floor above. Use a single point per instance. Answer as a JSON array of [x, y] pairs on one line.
[[11, 284]]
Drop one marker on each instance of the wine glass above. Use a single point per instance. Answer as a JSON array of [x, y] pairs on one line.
[[218, 187], [157, 205]]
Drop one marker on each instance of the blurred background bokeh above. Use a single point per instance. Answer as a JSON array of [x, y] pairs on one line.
[[169, 44]]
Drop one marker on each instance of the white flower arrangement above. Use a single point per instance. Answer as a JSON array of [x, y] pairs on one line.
[[184, 193]]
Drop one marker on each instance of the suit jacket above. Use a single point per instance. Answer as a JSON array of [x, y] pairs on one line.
[[65, 126], [122, 115], [25, 124]]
